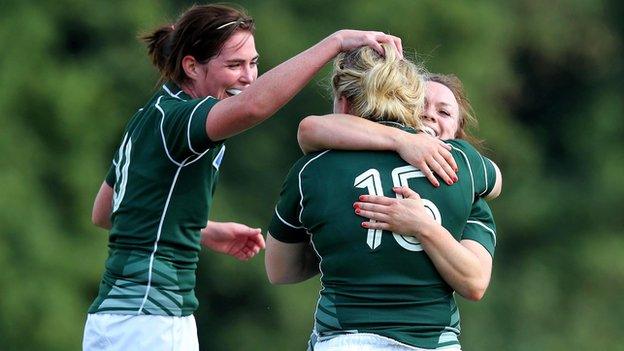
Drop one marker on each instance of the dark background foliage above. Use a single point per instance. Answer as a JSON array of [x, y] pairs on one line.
[[546, 80]]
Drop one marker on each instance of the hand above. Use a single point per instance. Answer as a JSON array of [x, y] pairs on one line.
[[234, 239], [353, 39], [428, 153], [406, 216]]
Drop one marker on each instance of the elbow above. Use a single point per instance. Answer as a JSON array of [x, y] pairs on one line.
[[96, 220], [474, 294], [100, 221], [277, 278], [474, 291], [305, 133]]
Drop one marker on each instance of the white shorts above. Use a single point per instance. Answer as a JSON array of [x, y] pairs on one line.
[[118, 332], [368, 342]]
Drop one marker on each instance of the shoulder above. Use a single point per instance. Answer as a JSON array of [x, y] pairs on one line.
[[312, 158], [462, 145]]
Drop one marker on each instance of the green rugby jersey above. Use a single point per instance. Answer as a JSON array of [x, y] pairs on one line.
[[375, 281], [163, 177]]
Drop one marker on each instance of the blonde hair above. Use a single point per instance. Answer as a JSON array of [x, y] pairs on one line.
[[380, 87]]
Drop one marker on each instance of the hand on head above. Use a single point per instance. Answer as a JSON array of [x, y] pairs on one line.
[[353, 39]]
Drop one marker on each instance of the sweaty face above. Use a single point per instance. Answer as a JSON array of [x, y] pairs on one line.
[[232, 70], [441, 110]]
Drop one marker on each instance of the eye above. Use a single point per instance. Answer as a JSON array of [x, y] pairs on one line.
[[254, 63], [445, 113], [233, 65]]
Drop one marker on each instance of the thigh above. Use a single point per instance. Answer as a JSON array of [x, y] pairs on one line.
[[112, 332]]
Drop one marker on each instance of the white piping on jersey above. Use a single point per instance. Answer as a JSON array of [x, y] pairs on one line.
[[175, 179], [162, 133], [320, 278], [284, 221], [486, 176], [300, 188], [195, 159], [310, 234], [160, 225], [490, 230], [469, 168], [172, 94], [188, 129]]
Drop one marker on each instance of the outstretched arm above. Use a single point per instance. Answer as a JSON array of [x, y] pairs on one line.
[[465, 265], [345, 132], [275, 88], [234, 239]]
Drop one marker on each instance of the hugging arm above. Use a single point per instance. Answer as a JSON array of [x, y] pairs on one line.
[[345, 132], [465, 265]]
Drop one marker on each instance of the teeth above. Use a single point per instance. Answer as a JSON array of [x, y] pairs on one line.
[[233, 91], [429, 131]]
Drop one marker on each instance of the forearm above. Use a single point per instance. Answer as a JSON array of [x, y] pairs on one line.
[[466, 269], [210, 229], [346, 132]]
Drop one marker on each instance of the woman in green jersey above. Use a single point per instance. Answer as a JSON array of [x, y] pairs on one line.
[[158, 192], [379, 293]]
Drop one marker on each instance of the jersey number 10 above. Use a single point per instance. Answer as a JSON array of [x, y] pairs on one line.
[[371, 180]]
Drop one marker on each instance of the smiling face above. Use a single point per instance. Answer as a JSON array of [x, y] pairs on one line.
[[231, 71], [441, 110]]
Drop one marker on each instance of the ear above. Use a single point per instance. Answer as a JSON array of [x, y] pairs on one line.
[[190, 67], [341, 105]]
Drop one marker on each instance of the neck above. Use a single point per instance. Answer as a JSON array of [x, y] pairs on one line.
[[190, 90]]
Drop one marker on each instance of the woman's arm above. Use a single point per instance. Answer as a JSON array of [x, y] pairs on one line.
[[465, 265], [345, 132], [276, 87], [102, 207], [288, 263]]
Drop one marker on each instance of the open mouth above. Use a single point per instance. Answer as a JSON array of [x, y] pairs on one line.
[[233, 91]]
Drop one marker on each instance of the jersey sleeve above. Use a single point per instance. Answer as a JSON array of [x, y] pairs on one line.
[[285, 225], [183, 127], [480, 226], [111, 176], [481, 168]]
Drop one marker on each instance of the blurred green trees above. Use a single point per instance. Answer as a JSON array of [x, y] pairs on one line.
[[546, 79]]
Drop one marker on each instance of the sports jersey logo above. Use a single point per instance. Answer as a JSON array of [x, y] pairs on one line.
[[216, 163]]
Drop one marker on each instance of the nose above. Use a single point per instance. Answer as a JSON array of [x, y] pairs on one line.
[[428, 114], [247, 75]]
